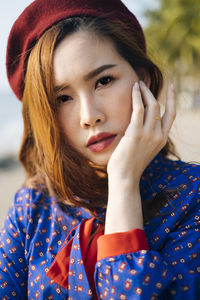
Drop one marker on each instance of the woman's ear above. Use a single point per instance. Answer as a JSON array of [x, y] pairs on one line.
[[144, 76]]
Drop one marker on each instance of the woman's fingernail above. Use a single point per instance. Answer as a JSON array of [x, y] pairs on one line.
[[172, 87], [136, 86], [142, 83]]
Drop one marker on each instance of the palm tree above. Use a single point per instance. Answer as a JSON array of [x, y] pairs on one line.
[[174, 31]]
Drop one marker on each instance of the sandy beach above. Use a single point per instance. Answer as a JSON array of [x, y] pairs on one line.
[[10, 180], [185, 134]]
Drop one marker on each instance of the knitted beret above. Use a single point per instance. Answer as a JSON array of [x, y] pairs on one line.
[[42, 14]]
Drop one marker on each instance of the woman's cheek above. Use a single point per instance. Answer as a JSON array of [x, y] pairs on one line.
[[124, 103]]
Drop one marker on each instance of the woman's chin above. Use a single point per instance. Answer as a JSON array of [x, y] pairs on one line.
[[100, 160]]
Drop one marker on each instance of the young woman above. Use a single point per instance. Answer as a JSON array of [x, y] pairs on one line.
[[103, 214]]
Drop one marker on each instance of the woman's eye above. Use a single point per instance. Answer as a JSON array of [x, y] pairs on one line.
[[63, 98], [104, 80]]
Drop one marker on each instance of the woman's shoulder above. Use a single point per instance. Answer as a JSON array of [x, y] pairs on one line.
[[176, 185], [35, 206], [185, 175], [178, 188], [183, 179], [175, 172], [32, 196], [34, 214], [183, 192], [29, 201], [164, 174], [28, 205]]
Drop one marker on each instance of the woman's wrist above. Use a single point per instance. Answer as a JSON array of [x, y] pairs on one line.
[[123, 183], [124, 210]]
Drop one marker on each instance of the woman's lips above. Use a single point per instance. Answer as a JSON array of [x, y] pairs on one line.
[[100, 142]]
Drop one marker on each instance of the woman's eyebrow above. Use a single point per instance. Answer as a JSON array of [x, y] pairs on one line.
[[89, 76], [98, 71]]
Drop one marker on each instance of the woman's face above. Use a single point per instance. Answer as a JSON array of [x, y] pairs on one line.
[[93, 84]]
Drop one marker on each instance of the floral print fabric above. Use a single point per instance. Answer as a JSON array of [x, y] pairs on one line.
[[36, 228]]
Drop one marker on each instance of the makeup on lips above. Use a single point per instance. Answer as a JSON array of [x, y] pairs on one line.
[[101, 141]]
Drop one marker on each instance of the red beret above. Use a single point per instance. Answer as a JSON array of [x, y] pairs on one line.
[[42, 14]]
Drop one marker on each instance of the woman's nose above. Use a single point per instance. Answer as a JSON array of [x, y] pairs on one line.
[[90, 113]]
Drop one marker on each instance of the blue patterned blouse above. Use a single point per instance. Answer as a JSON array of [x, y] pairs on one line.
[[36, 229]]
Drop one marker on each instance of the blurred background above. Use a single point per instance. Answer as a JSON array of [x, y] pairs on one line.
[[172, 29]]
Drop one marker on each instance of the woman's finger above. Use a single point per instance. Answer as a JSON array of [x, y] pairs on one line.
[[152, 108], [170, 111], [137, 117]]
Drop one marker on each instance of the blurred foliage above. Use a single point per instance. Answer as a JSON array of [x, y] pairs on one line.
[[173, 30]]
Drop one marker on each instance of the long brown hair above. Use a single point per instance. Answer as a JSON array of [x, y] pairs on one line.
[[49, 160]]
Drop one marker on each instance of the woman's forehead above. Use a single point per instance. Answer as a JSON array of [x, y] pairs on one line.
[[81, 52], [85, 39]]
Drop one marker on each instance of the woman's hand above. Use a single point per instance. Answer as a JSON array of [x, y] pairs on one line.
[[145, 136]]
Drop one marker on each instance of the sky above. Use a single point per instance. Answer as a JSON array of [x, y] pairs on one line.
[[11, 9]]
